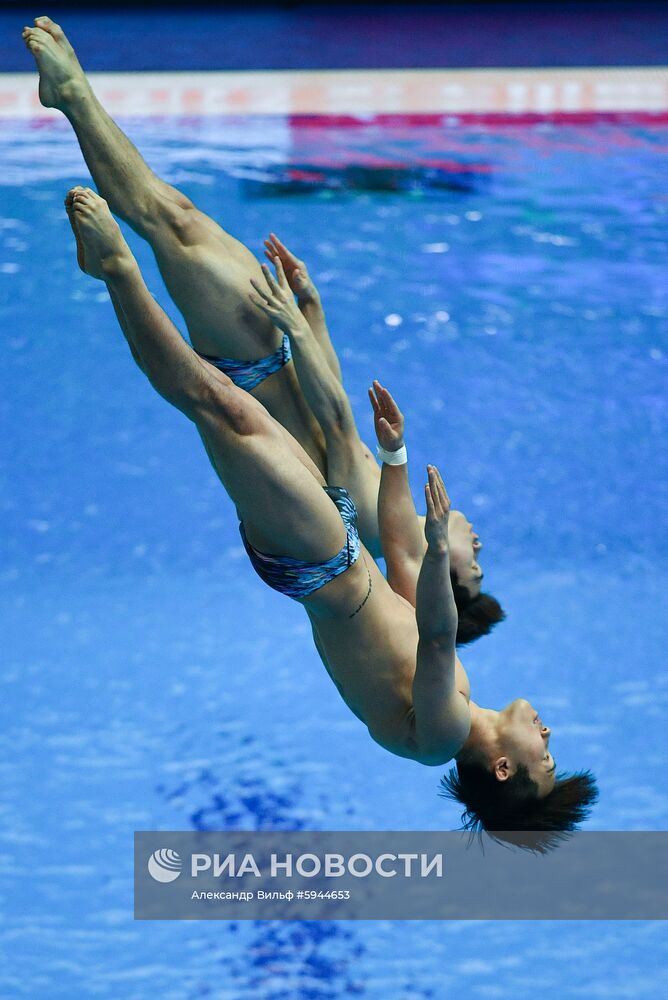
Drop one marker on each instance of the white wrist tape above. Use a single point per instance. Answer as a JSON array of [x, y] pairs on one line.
[[398, 457]]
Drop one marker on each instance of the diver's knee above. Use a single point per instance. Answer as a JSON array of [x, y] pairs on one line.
[[176, 215], [237, 410]]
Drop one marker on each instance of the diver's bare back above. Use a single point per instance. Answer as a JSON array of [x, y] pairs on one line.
[[371, 657]]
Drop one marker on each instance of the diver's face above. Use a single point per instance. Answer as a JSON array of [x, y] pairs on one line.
[[464, 546], [525, 739]]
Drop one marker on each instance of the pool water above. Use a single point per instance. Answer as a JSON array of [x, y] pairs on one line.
[[151, 681]]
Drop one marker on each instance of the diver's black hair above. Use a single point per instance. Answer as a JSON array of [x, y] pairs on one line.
[[511, 811], [477, 615]]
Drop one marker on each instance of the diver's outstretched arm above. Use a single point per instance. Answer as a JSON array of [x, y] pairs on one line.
[[401, 534], [308, 297], [442, 716], [349, 461]]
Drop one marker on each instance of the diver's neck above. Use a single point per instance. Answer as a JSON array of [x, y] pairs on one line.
[[484, 729]]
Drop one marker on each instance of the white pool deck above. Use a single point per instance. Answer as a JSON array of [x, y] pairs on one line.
[[364, 93]]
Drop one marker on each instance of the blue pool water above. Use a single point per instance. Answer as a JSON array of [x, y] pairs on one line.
[[151, 681]]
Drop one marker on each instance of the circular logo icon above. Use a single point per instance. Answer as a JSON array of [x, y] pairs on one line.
[[164, 865]]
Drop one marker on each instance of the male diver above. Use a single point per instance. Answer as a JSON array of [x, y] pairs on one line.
[[395, 665], [207, 274]]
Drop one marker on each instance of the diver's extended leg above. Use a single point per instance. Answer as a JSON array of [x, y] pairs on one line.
[[204, 267], [174, 369], [207, 271], [275, 486]]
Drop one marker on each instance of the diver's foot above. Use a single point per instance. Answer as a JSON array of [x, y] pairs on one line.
[[101, 249], [69, 203], [61, 78]]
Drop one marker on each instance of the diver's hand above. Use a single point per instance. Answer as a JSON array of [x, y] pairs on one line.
[[387, 418], [438, 512], [295, 270], [276, 300]]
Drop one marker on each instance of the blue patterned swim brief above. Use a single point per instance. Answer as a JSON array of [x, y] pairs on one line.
[[247, 374], [298, 579]]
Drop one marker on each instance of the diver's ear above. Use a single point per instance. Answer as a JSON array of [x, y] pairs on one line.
[[501, 769]]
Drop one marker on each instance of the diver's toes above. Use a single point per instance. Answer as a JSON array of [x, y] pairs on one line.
[[53, 29]]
